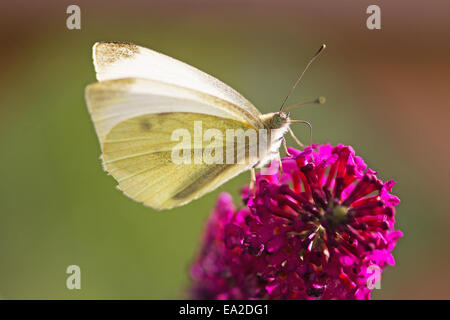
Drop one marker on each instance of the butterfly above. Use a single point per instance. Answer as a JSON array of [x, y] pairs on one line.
[[142, 97]]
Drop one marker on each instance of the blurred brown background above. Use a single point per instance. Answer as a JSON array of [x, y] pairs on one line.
[[387, 95]]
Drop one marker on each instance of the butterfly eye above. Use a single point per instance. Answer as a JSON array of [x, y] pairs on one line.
[[277, 121]]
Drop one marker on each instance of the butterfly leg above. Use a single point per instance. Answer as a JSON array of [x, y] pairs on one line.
[[285, 148], [281, 167], [252, 181], [296, 139]]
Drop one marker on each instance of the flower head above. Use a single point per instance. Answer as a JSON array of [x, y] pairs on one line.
[[323, 231]]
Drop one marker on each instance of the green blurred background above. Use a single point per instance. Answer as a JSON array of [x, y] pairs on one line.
[[387, 95]]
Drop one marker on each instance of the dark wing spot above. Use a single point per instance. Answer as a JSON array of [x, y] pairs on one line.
[[146, 125]]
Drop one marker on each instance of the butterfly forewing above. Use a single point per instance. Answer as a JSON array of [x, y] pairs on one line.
[[113, 60]]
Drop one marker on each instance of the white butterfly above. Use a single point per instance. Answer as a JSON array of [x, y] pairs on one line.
[[143, 96]]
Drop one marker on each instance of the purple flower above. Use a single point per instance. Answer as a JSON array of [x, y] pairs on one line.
[[324, 231]]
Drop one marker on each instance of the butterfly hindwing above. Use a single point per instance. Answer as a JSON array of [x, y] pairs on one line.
[[138, 154]]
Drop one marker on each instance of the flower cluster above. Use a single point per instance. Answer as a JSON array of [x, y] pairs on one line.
[[324, 230]]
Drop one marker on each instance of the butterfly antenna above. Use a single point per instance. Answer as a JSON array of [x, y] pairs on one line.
[[319, 100], [322, 47]]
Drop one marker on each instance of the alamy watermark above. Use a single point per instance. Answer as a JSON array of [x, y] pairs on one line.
[[374, 280], [74, 279], [213, 146], [373, 21], [73, 21]]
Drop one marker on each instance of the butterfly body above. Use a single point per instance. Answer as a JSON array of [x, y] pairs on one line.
[[277, 125]]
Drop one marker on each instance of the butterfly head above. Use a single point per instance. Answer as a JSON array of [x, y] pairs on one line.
[[279, 119]]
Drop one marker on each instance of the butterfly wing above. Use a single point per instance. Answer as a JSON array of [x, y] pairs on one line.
[[114, 60], [110, 102], [135, 119]]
